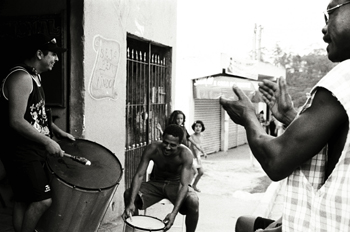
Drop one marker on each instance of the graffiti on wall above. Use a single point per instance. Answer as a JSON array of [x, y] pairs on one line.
[[104, 73]]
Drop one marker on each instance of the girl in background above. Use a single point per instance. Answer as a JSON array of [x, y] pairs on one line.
[[196, 137]]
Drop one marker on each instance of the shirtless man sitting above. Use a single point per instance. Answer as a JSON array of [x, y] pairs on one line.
[[170, 178]]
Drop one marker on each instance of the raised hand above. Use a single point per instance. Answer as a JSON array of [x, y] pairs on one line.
[[240, 109], [276, 96]]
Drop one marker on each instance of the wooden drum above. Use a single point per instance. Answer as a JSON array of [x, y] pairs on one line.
[[80, 193]]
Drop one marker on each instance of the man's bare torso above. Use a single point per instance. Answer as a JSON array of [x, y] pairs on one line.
[[167, 167]]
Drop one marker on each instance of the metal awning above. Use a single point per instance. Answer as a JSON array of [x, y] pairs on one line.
[[214, 87], [246, 74]]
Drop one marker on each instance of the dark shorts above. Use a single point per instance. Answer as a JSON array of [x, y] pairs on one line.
[[29, 181], [262, 223], [153, 191]]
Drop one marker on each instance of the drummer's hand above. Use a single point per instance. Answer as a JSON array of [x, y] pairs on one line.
[[69, 136], [128, 211], [239, 110], [53, 148], [169, 221], [62, 135]]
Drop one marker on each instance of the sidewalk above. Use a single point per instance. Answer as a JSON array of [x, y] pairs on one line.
[[232, 186]]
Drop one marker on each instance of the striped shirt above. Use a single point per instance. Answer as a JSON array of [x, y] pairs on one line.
[[311, 202]]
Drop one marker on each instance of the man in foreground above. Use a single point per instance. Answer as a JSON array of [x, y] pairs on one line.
[[314, 151], [27, 131], [170, 178]]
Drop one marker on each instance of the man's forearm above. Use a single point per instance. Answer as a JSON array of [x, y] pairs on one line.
[[135, 186], [24, 128], [262, 147], [180, 197]]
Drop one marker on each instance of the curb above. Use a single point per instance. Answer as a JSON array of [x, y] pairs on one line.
[[267, 201]]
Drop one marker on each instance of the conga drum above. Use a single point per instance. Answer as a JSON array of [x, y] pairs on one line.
[[143, 223], [80, 193]]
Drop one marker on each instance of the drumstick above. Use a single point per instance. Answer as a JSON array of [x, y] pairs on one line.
[[78, 158], [130, 216]]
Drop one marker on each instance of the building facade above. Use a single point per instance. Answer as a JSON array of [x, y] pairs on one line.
[[124, 72], [115, 80]]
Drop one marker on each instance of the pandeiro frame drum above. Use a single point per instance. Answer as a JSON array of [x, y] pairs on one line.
[[143, 223]]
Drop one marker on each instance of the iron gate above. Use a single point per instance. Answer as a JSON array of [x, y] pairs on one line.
[[147, 98]]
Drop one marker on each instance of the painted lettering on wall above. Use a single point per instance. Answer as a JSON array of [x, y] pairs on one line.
[[104, 73]]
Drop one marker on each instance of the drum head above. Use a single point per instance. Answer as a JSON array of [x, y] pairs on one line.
[[145, 223], [104, 172]]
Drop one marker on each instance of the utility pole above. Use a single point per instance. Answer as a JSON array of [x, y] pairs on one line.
[[254, 43], [259, 42]]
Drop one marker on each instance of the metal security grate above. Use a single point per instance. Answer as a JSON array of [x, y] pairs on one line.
[[147, 98], [209, 111]]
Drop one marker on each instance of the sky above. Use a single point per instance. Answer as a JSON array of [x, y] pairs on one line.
[[228, 25], [296, 25]]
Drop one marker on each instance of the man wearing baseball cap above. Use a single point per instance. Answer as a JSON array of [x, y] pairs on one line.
[[27, 129]]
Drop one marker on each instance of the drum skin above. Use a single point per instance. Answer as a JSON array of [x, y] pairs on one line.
[[80, 193], [143, 223]]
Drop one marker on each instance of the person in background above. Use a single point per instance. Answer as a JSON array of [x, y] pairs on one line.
[[27, 129], [198, 127], [279, 128], [273, 126], [170, 178], [313, 152], [262, 120]]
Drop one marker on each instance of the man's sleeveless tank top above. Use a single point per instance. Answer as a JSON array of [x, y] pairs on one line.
[[311, 202], [35, 114]]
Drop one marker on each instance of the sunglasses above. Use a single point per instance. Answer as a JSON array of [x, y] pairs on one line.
[[331, 10]]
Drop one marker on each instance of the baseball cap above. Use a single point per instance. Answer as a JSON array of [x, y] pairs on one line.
[[44, 42]]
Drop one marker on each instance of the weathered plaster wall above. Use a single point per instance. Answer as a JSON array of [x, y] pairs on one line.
[[106, 25]]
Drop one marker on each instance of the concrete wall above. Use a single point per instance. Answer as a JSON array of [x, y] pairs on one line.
[[106, 24]]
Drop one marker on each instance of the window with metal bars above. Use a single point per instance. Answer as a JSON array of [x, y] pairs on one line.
[[147, 97]]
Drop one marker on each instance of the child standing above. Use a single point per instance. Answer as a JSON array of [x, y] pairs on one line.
[[198, 128]]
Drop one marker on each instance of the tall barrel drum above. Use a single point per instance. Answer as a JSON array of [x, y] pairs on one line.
[[81, 193]]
